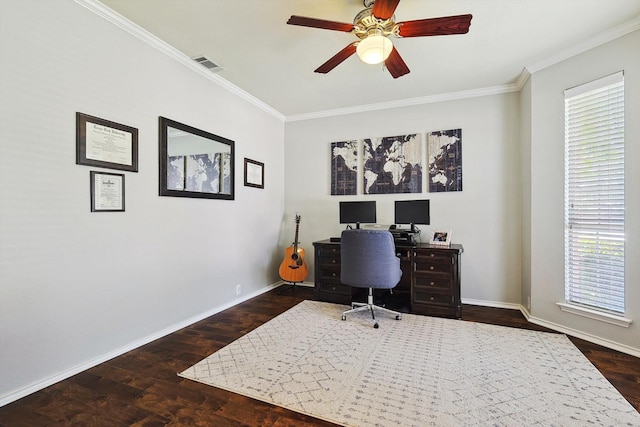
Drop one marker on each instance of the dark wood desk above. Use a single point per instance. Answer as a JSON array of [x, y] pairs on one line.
[[430, 277]]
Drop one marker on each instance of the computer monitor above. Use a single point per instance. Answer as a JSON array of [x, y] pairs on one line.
[[358, 212], [412, 212]]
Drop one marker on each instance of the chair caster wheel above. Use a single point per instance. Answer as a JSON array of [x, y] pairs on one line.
[[399, 317], [344, 317], [376, 326]]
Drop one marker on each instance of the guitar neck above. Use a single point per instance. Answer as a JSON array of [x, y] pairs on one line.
[[295, 240]]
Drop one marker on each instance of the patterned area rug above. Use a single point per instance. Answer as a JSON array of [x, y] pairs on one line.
[[418, 371]]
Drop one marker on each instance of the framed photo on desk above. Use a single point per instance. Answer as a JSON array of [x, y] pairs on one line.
[[440, 237]]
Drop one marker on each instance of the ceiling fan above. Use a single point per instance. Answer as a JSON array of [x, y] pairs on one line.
[[374, 25]]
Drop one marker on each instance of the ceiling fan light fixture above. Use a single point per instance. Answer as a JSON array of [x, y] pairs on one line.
[[374, 49]]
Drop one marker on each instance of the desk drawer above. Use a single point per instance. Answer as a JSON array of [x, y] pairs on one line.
[[423, 297], [432, 256], [432, 283], [330, 259], [433, 266], [328, 250], [331, 287], [328, 271]]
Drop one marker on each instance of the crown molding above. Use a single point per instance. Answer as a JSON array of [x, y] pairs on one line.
[[431, 99], [120, 21], [522, 79], [588, 44]]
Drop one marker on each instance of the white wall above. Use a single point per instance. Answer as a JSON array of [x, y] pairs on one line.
[[74, 285], [485, 217], [547, 191], [525, 143]]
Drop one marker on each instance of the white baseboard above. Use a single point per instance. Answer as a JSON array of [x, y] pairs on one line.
[[67, 373], [494, 304], [558, 328], [622, 348], [305, 284]]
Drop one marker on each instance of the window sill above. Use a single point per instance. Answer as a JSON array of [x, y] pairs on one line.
[[594, 314]]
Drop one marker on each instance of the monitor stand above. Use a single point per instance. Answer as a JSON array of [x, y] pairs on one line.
[[404, 236], [405, 239]]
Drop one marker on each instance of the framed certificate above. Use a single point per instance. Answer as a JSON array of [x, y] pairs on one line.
[[106, 144], [253, 173], [107, 192]]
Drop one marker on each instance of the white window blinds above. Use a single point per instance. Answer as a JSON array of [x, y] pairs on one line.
[[594, 194]]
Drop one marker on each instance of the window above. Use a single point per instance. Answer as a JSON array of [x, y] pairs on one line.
[[594, 195]]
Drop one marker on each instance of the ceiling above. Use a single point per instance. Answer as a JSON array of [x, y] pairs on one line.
[[274, 62]]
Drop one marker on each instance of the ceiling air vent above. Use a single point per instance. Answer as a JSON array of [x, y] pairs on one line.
[[207, 63]]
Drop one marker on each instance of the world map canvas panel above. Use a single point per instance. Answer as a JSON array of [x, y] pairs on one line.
[[344, 168], [175, 173], [445, 160], [202, 173], [225, 172], [393, 164]]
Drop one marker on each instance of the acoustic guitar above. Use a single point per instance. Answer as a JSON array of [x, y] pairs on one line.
[[293, 268]]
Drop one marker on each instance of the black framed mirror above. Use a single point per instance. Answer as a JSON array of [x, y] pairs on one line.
[[195, 163]]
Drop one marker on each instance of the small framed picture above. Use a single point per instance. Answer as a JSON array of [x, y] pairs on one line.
[[440, 237], [107, 192], [253, 173]]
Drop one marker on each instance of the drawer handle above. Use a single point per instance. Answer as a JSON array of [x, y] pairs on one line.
[[333, 261], [432, 255], [431, 268], [333, 274], [334, 250], [432, 283], [431, 299]]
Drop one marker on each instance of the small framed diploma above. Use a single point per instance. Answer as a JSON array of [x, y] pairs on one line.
[[106, 144], [107, 192], [253, 173]]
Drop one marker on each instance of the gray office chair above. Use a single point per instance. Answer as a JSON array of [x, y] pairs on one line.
[[368, 260]]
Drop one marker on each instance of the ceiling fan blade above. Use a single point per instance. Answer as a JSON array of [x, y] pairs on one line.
[[458, 24], [395, 64], [303, 21], [383, 9], [337, 59]]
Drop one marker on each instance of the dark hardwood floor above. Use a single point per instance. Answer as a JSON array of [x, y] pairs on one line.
[[142, 388]]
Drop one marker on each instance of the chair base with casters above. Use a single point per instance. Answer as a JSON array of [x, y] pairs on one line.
[[370, 306]]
